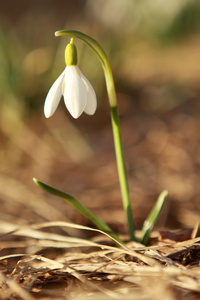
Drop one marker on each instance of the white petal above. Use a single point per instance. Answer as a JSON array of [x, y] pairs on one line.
[[53, 96], [91, 104], [74, 91]]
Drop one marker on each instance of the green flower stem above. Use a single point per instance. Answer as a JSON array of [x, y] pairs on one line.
[[80, 207], [149, 223], [114, 118], [121, 170]]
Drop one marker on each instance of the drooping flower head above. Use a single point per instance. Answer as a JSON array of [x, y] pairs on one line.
[[79, 95]]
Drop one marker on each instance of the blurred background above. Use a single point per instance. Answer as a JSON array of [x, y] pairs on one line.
[[154, 50]]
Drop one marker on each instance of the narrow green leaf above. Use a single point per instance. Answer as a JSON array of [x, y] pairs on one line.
[[80, 207], [150, 222]]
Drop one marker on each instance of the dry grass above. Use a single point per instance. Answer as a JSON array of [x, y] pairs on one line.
[[51, 259], [44, 265]]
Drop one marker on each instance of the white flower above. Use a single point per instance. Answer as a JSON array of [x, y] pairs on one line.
[[79, 95]]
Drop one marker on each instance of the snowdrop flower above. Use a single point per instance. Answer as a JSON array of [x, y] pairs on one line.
[[79, 95]]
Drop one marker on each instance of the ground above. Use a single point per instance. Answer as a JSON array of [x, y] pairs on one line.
[[41, 260]]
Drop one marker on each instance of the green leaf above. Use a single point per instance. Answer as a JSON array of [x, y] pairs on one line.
[[150, 222], [81, 208]]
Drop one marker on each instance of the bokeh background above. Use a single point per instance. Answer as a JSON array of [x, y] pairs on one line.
[[154, 50]]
